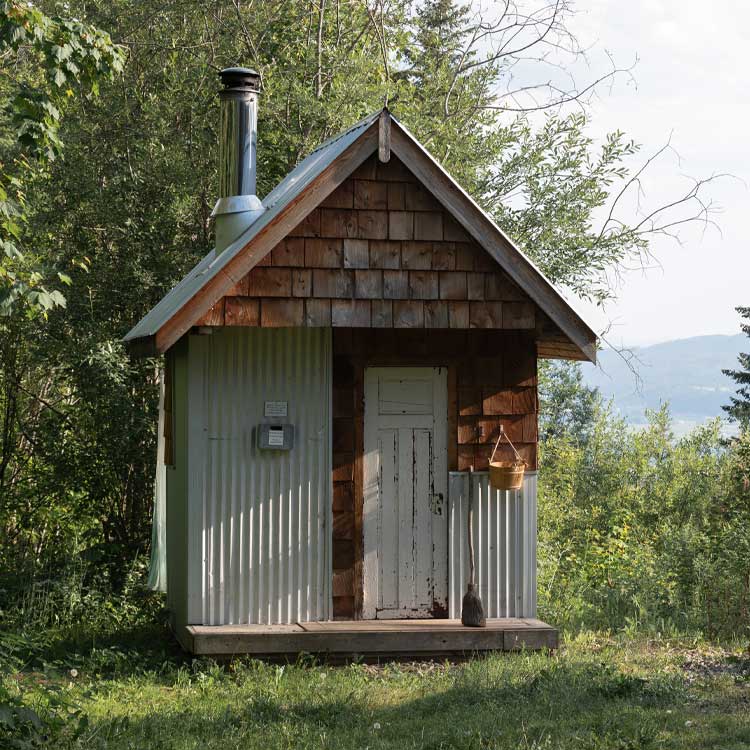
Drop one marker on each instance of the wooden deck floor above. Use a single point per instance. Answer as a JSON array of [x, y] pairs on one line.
[[397, 639]]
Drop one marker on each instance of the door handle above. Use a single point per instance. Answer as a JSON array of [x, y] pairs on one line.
[[436, 504]]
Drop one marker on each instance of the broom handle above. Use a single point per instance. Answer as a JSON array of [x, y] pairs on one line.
[[471, 525]]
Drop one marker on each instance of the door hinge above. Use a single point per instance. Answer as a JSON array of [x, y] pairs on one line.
[[436, 504]]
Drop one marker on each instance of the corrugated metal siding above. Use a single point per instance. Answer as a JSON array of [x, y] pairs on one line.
[[504, 545], [265, 514]]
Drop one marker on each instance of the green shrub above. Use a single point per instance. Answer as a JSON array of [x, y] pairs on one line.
[[80, 594], [34, 710], [638, 529]]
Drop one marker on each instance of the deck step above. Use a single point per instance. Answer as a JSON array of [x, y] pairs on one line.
[[369, 638]]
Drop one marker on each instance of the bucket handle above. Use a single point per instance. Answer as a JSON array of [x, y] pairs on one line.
[[504, 434]]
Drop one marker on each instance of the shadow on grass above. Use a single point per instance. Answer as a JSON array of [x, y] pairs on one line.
[[574, 704], [133, 650]]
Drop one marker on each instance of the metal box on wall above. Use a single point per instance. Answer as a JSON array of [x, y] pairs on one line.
[[279, 437]]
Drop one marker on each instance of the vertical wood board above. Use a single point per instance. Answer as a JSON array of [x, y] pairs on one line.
[[405, 472]]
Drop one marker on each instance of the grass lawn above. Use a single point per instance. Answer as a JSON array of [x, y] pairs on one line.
[[594, 692]]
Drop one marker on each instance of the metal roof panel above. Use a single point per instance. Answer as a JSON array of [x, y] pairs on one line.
[[211, 265]]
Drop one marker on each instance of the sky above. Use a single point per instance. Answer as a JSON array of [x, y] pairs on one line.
[[689, 85]]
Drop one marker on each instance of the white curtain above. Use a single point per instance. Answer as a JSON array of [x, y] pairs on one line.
[[157, 575]]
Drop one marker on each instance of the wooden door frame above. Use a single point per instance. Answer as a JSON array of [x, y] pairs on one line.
[[443, 384]]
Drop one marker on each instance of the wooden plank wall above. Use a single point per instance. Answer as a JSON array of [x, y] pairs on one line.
[[492, 380], [379, 252]]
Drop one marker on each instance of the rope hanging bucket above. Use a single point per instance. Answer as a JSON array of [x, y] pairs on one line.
[[506, 475]]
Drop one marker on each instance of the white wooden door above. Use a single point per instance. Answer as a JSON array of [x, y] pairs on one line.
[[405, 516]]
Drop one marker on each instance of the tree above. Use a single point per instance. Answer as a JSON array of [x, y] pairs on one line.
[[46, 64], [43, 59], [739, 406], [568, 407], [456, 89], [124, 212]]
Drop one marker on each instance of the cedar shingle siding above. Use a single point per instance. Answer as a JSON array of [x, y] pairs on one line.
[[378, 253]]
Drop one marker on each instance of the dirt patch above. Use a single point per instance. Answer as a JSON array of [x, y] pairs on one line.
[[420, 668], [702, 666]]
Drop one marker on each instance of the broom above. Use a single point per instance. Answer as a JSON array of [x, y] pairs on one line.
[[472, 611]]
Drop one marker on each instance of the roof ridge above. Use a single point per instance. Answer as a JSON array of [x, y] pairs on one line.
[[367, 120]]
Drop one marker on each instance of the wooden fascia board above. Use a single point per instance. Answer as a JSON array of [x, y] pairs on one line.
[[571, 351], [465, 211], [262, 243]]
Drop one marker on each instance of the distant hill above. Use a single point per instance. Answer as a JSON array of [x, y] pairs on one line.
[[685, 372]]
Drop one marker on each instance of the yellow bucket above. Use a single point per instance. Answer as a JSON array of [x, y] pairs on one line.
[[506, 475]]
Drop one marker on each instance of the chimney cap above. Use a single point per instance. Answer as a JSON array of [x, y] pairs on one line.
[[240, 78]]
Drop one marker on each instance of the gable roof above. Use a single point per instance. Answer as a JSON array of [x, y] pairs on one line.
[[302, 190]]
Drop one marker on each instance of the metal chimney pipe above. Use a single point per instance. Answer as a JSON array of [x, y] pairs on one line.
[[238, 206], [238, 131]]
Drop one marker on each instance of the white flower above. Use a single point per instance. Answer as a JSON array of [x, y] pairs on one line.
[[376, 726], [74, 673], [688, 723]]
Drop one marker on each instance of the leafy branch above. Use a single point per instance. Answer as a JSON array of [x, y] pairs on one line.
[[44, 60]]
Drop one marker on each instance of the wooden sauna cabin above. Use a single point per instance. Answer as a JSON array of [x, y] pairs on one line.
[[334, 368]]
